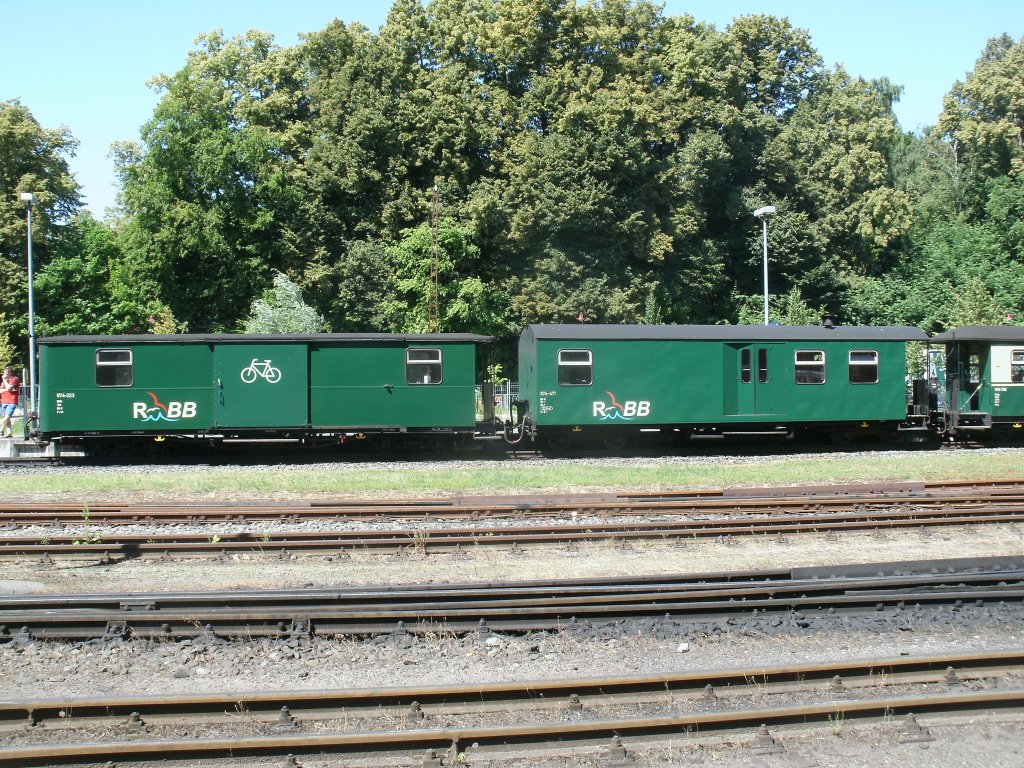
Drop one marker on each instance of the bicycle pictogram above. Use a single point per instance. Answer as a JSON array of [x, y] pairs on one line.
[[263, 369]]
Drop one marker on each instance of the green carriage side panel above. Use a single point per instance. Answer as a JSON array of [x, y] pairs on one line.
[[363, 384], [650, 376], [199, 383], [659, 382], [166, 387], [262, 384], [838, 399], [647, 382]]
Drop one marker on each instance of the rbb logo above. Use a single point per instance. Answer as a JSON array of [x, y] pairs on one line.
[[171, 411]]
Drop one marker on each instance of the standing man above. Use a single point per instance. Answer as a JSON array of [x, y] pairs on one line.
[[10, 386]]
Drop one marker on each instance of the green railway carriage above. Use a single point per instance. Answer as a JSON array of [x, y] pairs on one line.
[[984, 387], [314, 386], [611, 381]]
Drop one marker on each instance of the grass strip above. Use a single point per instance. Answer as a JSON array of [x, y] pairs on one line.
[[507, 477]]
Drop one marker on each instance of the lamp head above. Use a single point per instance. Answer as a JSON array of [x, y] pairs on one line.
[[765, 211], [28, 197]]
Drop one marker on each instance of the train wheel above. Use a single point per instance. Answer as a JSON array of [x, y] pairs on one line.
[[559, 442], [615, 442], [840, 437]]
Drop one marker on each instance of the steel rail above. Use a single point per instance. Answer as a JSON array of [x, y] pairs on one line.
[[36, 515], [472, 739], [480, 610], [86, 545], [766, 500], [838, 578], [950, 670]]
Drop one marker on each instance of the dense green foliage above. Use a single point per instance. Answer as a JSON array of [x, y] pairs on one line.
[[590, 158]]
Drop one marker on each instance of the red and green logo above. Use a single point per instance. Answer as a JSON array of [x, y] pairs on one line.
[[172, 411], [627, 411]]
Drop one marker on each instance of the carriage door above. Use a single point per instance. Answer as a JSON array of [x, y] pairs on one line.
[[755, 374], [261, 385], [966, 387]]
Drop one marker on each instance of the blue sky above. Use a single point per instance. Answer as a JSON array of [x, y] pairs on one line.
[[85, 64]]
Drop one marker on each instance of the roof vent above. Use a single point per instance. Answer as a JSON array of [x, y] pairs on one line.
[[829, 322]]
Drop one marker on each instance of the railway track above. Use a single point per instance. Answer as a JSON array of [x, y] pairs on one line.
[[838, 498], [505, 719], [306, 706], [87, 541], [513, 523], [799, 594], [508, 717], [110, 548]]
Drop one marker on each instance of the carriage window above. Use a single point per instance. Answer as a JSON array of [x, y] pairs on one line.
[[745, 366], [762, 366], [575, 367], [809, 366], [974, 367], [114, 368], [1017, 366], [423, 366], [863, 367]]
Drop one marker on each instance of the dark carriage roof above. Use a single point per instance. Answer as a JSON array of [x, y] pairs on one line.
[[276, 338], [581, 332], [1008, 333]]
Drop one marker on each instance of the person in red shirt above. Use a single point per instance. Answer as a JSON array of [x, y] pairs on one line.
[[10, 385]]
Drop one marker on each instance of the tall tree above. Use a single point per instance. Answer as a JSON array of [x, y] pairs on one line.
[[731, 93], [778, 64], [925, 167], [601, 157], [963, 259], [32, 159], [79, 291], [204, 190], [465, 302], [832, 162], [582, 181], [984, 115]]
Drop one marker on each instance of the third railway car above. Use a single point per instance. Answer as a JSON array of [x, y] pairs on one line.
[[984, 380], [609, 382]]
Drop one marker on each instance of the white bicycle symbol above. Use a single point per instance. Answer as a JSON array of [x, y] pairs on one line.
[[263, 369]]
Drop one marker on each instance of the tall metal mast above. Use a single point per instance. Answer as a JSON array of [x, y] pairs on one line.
[[433, 301]]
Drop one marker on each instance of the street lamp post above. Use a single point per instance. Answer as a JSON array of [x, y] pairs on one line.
[[28, 198], [763, 214]]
